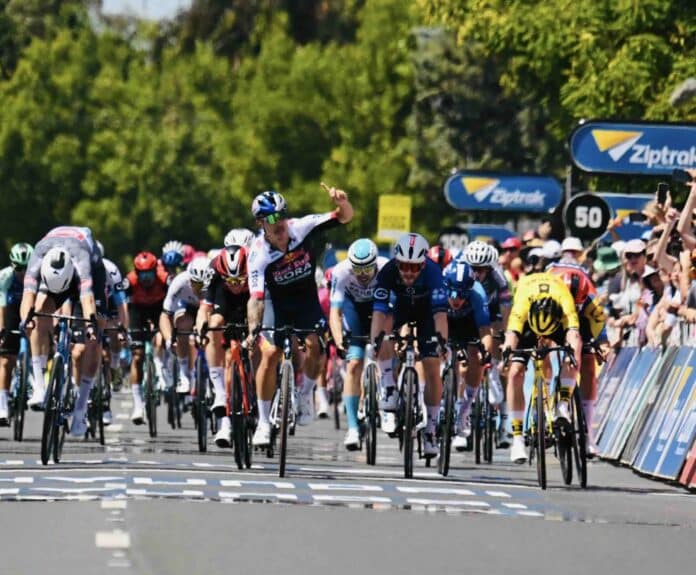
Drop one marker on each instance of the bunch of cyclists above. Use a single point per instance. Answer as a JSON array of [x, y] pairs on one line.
[[184, 299]]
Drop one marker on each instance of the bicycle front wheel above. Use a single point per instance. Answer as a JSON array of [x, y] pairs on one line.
[[580, 438], [21, 397], [237, 418], [409, 391], [172, 399], [287, 380], [99, 405], [447, 425], [150, 391], [49, 430], [540, 436], [201, 406], [371, 414]]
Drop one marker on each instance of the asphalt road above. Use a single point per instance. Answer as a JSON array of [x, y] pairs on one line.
[[140, 505]]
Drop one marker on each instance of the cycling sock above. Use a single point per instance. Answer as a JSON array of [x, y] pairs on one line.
[[137, 393], [114, 359], [83, 394], [218, 378], [469, 394], [385, 368], [307, 384], [588, 406], [322, 395], [351, 402], [159, 368], [503, 410], [39, 382], [3, 399], [264, 411], [44, 362], [517, 423], [433, 416]]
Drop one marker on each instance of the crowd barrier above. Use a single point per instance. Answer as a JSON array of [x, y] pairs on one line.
[[645, 415]]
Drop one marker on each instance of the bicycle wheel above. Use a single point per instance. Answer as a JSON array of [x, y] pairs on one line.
[[580, 438], [337, 393], [489, 433], [447, 424], [21, 397], [150, 393], [49, 431], [201, 407], [172, 398], [237, 418], [99, 403], [67, 406], [371, 414], [540, 435], [252, 412], [287, 380], [409, 389], [477, 425]]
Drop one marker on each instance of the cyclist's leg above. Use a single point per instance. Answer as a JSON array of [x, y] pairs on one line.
[[515, 394], [569, 374], [183, 321], [266, 374], [357, 319], [8, 358], [137, 322], [40, 346]]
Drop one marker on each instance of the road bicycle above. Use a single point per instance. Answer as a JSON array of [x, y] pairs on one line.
[[20, 387]]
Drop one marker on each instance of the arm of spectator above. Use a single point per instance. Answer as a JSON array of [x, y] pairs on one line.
[[663, 260], [684, 225], [652, 329], [685, 274], [611, 228]]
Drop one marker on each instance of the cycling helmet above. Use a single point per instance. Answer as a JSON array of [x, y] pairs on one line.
[[200, 271], [479, 253], [212, 254], [458, 277], [545, 315], [188, 252], [267, 203], [173, 246], [57, 270], [512, 243], [440, 255], [578, 282], [145, 261], [231, 262], [172, 259], [239, 237], [362, 253], [411, 248], [20, 254], [100, 247]]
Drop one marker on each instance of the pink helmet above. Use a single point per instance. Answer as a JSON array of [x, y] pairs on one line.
[[189, 253]]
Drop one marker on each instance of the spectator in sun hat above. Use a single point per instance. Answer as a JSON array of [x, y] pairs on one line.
[[551, 251], [606, 264], [571, 250], [625, 288]]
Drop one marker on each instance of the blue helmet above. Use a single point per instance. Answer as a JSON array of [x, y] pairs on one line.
[[457, 277], [267, 203], [172, 259]]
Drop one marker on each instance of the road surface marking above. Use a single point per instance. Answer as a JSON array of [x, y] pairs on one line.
[[115, 539], [343, 487], [448, 502], [438, 490], [237, 495], [515, 505], [276, 484], [352, 498], [498, 494]]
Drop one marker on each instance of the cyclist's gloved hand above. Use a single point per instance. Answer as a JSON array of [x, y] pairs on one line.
[[341, 352], [506, 352], [91, 328]]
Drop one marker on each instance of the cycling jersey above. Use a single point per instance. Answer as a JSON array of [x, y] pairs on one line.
[[497, 290], [233, 307], [537, 286], [288, 276], [151, 295], [345, 285], [84, 253], [475, 307], [10, 288], [115, 289], [427, 292], [180, 294]]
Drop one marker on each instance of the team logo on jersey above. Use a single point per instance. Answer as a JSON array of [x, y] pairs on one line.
[[381, 293], [292, 267]]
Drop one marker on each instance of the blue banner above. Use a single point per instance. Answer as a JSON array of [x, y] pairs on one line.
[[623, 205], [633, 148], [492, 191]]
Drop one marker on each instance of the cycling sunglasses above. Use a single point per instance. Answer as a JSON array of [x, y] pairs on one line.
[[236, 281], [456, 294], [364, 270], [275, 218], [410, 267], [479, 269], [146, 275]]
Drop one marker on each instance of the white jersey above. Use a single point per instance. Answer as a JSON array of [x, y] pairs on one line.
[[180, 294], [114, 279], [344, 284]]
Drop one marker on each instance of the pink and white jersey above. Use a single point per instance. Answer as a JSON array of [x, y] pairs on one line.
[[290, 273]]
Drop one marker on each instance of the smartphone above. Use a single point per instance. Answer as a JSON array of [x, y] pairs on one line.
[[661, 193], [637, 217], [681, 176]]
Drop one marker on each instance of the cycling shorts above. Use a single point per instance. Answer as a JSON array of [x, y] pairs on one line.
[[10, 346], [529, 339], [138, 318], [306, 316], [357, 319], [425, 328]]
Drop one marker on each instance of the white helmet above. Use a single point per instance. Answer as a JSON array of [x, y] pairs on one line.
[[362, 252], [477, 253], [412, 248], [239, 237], [57, 270], [199, 270], [100, 247]]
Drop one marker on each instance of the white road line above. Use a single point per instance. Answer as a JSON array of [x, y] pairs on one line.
[[114, 504], [151, 481], [443, 502], [122, 416], [12, 462], [530, 513], [343, 487], [276, 484], [352, 498], [115, 485], [515, 505], [237, 495], [191, 493], [498, 494], [438, 490], [10, 491], [17, 480], [71, 489], [115, 427], [115, 539], [147, 462], [80, 479]]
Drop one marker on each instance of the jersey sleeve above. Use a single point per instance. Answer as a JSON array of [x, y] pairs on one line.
[[172, 297], [520, 308], [338, 286], [504, 295], [5, 285], [594, 313], [434, 282], [256, 263], [479, 305], [303, 227], [570, 312], [383, 287]]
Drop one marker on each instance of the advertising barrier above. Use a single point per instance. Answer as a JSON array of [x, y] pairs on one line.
[[608, 384]]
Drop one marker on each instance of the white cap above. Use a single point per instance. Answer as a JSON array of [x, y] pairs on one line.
[[634, 247], [618, 247], [571, 244], [539, 252], [551, 250]]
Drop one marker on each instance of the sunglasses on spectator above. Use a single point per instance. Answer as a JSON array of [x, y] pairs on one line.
[[275, 218], [410, 267], [634, 255], [236, 281]]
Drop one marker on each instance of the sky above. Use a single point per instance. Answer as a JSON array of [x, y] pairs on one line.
[[150, 9]]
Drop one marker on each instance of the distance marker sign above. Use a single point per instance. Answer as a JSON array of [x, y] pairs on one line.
[[587, 216]]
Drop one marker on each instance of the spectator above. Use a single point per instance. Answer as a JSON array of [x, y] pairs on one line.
[[625, 289], [571, 250]]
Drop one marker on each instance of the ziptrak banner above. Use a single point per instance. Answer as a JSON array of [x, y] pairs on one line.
[[633, 148], [486, 191]]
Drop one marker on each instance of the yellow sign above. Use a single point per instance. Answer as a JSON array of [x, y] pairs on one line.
[[394, 217]]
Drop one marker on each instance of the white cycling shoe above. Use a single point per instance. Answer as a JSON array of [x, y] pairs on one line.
[[352, 439], [184, 385], [223, 437], [562, 412], [107, 418], [305, 409], [262, 435], [459, 442], [518, 451], [390, 399], [79, 425], [388, 420], [430, 446], [322, 406], [36, 400], [138, 415]]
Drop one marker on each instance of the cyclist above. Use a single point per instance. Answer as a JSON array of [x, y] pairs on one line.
[[352, 290], [592, 329], [468, 320], [239, 237], [225, 299], [180, 308], [66, 266], [282, 265], [419, 295], [483, 259], [543, 308], [11, 287], [440, 255], [117, 316], [147, 288]]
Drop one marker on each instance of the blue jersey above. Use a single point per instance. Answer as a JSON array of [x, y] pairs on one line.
[[427, 290], [476, 304]]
